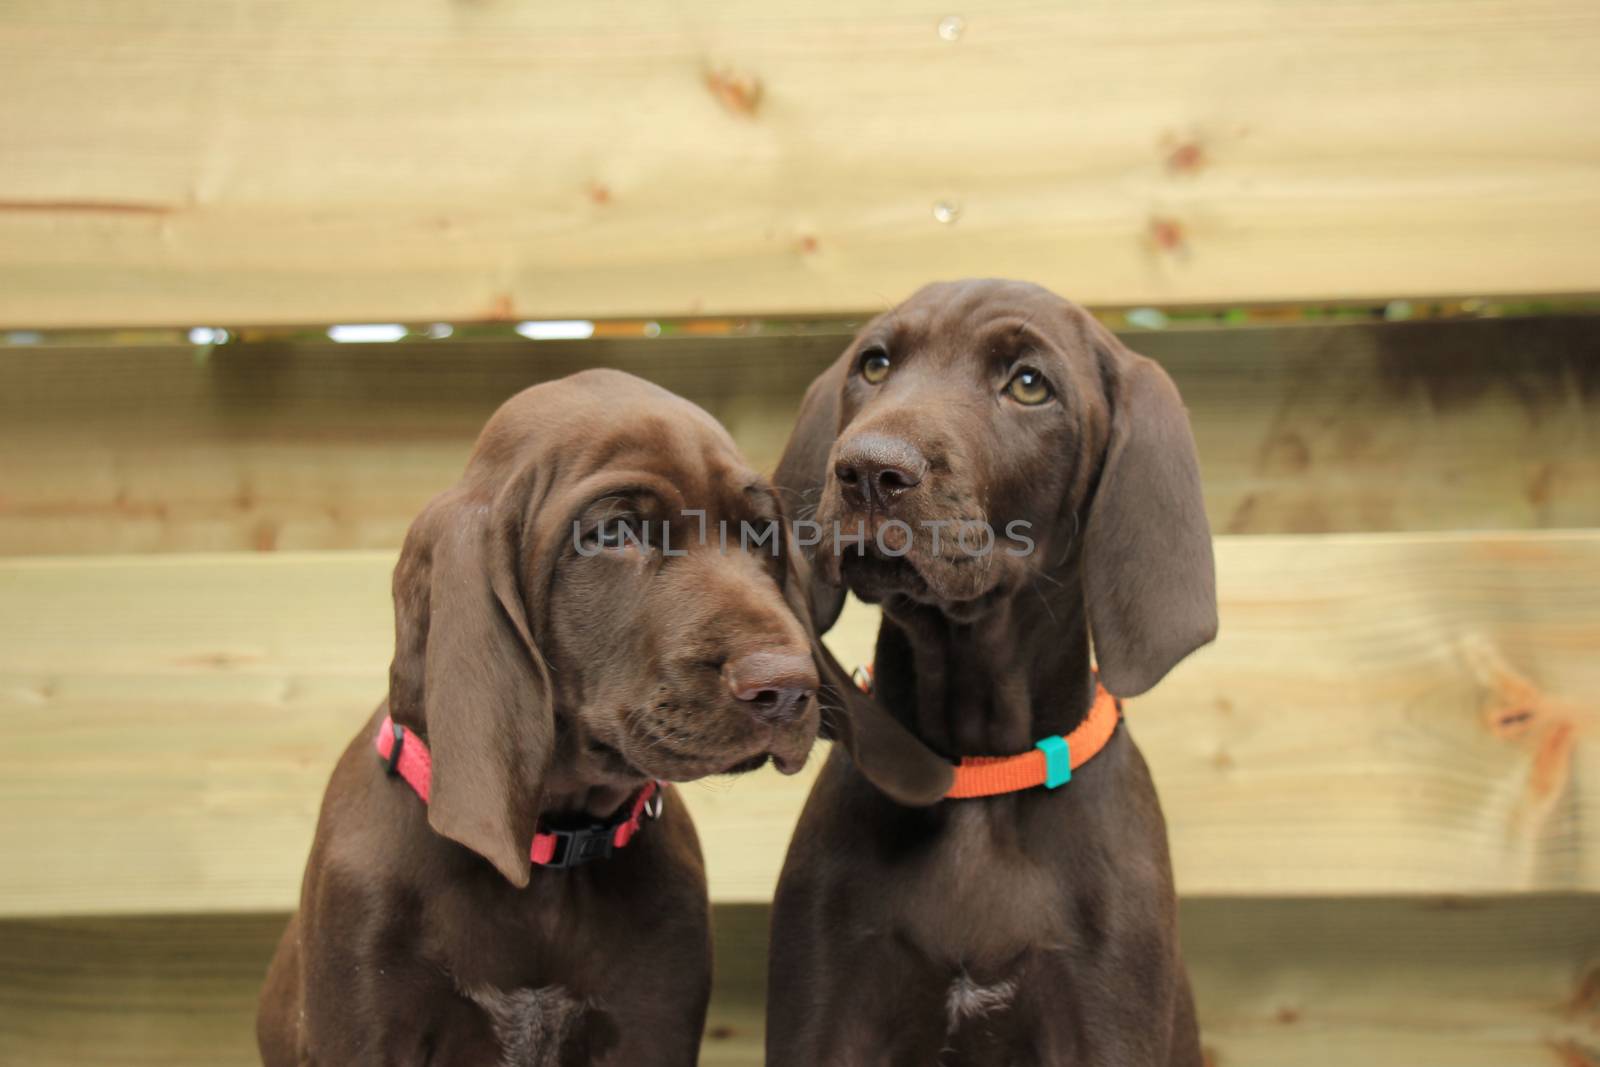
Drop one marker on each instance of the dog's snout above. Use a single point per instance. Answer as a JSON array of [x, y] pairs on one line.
[[874, 469], [774, 685]]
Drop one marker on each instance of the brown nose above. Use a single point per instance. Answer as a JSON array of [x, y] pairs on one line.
[[874, 469], [775, 685]]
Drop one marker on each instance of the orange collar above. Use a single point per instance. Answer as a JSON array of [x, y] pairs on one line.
[[1049, 763]]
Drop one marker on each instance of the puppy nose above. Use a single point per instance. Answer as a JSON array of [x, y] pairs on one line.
[[775, 685], [874, 469]]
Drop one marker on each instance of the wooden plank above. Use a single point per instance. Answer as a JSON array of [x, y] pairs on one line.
[[177, 161], [1471, 424], [1327, 983], [1359, 728], [1316, 983], [180, 991], [309, 446], [1407, 426]]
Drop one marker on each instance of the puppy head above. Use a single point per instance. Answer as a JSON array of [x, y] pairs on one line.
[[985, 434], [573, 596]]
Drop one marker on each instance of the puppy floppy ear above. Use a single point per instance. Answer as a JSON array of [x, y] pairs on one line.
[[1148, 574], [886, 753], [467, 675], [801, 475]]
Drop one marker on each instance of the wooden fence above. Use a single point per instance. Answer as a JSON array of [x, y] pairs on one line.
[[1381, 780], [1375, 778], [183, 161]]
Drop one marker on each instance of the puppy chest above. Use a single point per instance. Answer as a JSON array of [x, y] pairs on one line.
[[542, 1026], [977, 901]]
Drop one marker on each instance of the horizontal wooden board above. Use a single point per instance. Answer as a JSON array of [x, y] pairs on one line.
[[180, 161], [1314, 983], [307, 446], [1382, 714], [1319, 983], [180, 991], [1305, 429], [1405, 426]]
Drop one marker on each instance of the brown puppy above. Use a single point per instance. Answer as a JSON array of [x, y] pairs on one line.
[[1035, 927], [563, 635]]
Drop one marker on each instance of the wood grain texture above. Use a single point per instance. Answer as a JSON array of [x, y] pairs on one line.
[[180, 991], [1405, 426], [1322, 983], [1306, 429], [1382, 714], [311, 446], [177, 161], [1314, 983]]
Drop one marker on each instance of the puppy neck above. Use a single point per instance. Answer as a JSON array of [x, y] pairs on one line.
[[991, 686], [578, 786]]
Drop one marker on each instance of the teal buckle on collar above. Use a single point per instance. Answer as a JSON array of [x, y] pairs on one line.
[[1057, 761]]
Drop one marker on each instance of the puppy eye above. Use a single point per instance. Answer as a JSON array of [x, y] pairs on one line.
[[617, 532], [1028, 386], [874, 365]]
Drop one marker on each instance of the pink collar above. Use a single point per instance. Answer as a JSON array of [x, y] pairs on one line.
[[405, 755]]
